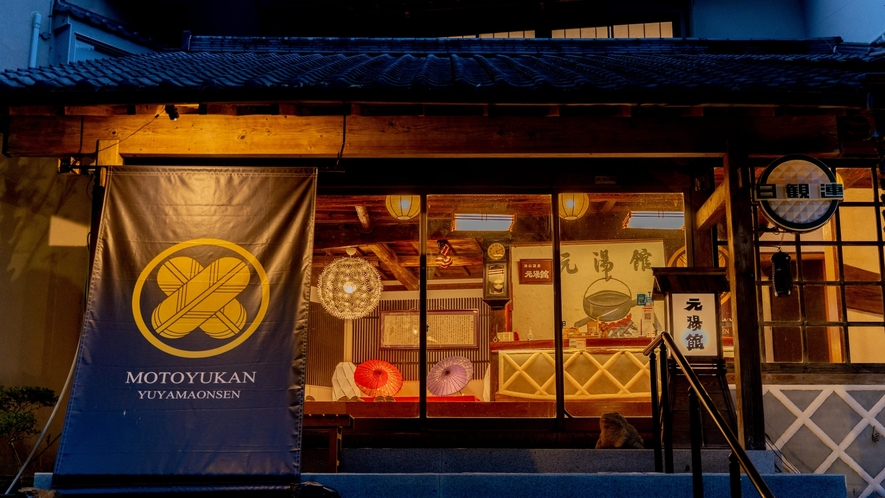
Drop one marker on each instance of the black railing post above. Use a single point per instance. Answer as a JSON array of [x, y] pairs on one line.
[[655, 412], [734, 472], [698, 396], [697, 473], [667, 421]]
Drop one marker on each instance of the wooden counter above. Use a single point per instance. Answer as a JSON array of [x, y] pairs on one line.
[[607, 369]]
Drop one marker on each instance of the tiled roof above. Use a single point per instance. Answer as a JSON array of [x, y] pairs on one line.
[[475, 70]]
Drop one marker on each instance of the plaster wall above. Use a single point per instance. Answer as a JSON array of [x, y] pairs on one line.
[[860, 21], [736, 19], [532, 304], [44, 260], [15, 32], [16, 28], [856, 225]]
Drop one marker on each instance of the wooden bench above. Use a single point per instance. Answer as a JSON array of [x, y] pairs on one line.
[[333, 423]]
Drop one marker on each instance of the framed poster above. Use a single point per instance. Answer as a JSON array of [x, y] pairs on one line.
[[445, 329]]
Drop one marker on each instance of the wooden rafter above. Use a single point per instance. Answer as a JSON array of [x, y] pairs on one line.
[[608, 206], [363, 215], [390, 259], [325, 238], [407, 261], [712, 210]]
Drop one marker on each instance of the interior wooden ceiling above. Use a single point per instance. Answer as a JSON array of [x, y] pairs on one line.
[[393, 247]]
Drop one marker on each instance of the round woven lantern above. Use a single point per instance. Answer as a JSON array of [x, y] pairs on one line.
[[573, 206], [349, 288], [403, 207]]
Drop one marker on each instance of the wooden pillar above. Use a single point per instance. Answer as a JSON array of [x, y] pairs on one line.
[[699, 250], [107, 154], [741, 276]]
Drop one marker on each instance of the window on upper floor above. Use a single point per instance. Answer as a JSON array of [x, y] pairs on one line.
[[638, 30], [86, 49], [80, 35]]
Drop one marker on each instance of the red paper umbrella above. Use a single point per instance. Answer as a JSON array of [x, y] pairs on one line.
[[450, 375], [378, 378]]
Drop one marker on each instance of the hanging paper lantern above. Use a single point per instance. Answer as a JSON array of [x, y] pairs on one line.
[[573, 206], [403, 207]]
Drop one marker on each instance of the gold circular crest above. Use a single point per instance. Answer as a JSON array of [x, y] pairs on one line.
[[217, 311]]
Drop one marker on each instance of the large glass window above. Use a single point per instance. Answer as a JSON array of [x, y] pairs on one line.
[[609, 245], [490, 319], [350, 359], [489, 309]]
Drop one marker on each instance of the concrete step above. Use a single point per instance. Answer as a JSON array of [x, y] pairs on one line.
[[545, 461], [646, 485]]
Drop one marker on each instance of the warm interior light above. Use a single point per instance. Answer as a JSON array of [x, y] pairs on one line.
[[359, 281], [483, 222], [573, 206], [403, 207], [665, 220]]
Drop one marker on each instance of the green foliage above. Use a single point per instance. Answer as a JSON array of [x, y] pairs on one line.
[[17, 412]]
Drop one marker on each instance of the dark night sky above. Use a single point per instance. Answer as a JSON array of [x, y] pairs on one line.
[[164, 20]]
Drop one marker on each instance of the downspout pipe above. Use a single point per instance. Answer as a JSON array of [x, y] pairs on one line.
[[35, 38]]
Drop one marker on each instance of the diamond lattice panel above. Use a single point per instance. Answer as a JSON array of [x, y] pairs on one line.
[[831, 429], [587, 374]]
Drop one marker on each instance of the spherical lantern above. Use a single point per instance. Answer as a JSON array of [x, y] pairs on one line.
[[403, 207], [349, 288], [573, 206]]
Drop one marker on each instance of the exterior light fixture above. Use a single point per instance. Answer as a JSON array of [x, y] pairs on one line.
[[350, 287], [403, 207], [172, 112], [573, 206], [483, 222], [782, 275], [663, 220]]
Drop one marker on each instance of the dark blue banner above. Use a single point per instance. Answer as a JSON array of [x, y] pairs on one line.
[[191, 367]]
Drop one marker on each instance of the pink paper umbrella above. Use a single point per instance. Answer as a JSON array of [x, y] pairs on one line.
[[449, 376], [378, 378]]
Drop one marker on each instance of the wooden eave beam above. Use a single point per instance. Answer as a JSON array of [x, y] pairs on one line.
[[196, 135], [712, 210], [389, 258]]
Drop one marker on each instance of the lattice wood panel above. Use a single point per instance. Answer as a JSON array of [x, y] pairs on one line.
[[587, 374]]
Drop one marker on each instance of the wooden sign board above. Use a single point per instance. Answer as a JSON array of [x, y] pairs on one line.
[[535, 271]]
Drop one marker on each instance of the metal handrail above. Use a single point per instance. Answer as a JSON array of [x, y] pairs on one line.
[[738, 454]]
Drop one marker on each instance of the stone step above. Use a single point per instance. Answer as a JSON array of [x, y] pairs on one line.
[[542, 461], [646, 485]]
